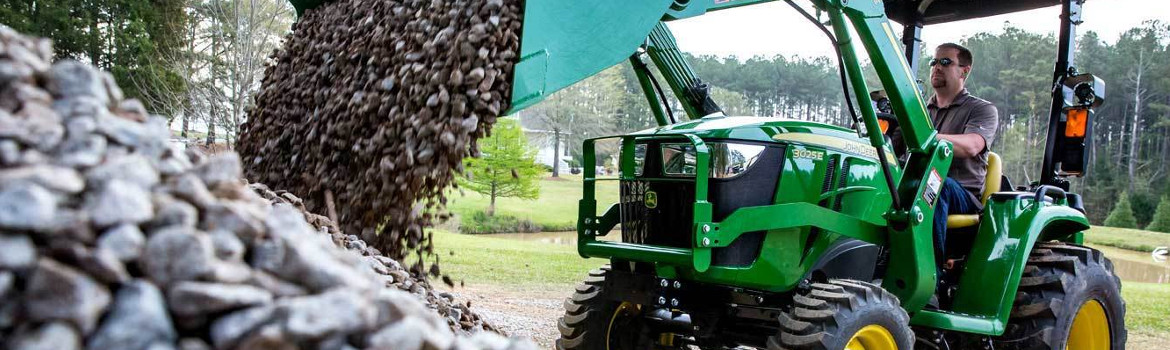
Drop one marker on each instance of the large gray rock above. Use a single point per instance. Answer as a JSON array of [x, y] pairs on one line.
[[17, 252], [125, 241], [337, 311], [28, 207], [410, 334], [268, 337], [191, 189], [105, 266], [132, 168], [9, 149], [6, 281], [81, 147], [34, 125], [307, 259], [226, 331], [177, 254], [123, 131], [56, 292], [54, 178], [198, 298], [279, 288], [50, 336], [137, 319], [221, 168], [119, 202], [172, 211], [393, 305], [71, 79], [83, 151], [233, 216], [227, 245]]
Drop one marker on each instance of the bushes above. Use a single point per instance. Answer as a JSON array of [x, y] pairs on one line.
[[1161, 220], [1122, 214], [480, 222]]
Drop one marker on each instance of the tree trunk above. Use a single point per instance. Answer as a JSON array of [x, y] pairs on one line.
[[491, 210], [556, 152], [1137, 112]]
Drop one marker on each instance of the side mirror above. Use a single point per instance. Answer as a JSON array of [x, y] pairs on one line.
[[1082, 93]]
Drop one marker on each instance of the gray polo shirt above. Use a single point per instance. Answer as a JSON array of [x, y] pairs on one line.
[[967, 115]]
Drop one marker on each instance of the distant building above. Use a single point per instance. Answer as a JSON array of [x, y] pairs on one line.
[[543, 141]]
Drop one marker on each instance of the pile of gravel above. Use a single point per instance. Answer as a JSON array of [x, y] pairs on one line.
[[113, 238], [372, 105]]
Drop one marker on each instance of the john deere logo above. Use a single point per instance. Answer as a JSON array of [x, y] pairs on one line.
[[651, 199]]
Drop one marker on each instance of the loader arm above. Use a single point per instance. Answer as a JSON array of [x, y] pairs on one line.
[[564, 42]]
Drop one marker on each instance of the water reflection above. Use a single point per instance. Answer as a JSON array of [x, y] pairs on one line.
[[558, 238], [1153, 271]]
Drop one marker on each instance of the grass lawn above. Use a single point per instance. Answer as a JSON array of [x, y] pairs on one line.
[[1125, 238], [557, 205], [492, 260], [1147, 307]]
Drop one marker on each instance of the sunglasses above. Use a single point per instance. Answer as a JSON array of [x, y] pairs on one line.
[[945, 62]]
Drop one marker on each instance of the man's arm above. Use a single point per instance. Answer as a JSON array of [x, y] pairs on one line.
[[978, 134], [966, 145]]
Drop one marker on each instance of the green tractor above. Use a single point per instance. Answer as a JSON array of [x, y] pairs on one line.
[[783, 234]]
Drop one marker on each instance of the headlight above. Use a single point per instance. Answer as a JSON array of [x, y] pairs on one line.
[[727, 159]]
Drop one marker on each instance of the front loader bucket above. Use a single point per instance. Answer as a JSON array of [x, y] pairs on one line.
[[565, 42]]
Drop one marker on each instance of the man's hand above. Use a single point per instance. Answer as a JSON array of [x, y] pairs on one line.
[[966, 145]]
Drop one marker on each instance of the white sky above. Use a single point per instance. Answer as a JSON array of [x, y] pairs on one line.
[[775, 28]]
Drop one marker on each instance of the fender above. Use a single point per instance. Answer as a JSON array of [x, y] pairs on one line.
[[1010, 226]]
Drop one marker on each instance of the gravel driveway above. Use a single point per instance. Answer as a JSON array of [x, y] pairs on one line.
[[521, 311]]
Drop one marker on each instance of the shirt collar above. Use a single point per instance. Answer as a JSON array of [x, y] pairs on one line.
[[959, 100]]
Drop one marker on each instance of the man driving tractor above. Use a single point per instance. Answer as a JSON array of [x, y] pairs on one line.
[[969, 123]]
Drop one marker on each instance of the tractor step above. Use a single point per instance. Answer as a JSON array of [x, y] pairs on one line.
[[959, 322]]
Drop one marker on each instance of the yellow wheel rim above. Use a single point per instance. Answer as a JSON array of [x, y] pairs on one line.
[[621, 309], [1090, 328], [872, 337]]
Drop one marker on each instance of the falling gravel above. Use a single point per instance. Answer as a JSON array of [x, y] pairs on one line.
[[111, 237], [372, 105]]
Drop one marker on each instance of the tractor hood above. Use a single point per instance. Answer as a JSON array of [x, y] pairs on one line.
[[772, 129]]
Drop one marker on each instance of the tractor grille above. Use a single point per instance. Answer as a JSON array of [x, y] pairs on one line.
[[668, 223]]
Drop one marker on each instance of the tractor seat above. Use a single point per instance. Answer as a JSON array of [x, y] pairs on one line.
[[990, 185]]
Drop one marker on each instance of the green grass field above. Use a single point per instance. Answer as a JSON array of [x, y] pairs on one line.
[[1147, 308], [557, 205], [1124, 238], [493, 260]]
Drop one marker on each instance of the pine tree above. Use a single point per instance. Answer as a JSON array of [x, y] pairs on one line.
[[1161, 220], [506, 166], [1122, 214]]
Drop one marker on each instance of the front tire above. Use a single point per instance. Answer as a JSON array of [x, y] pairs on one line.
[[841, 313], [1069, 298], [594, 322]]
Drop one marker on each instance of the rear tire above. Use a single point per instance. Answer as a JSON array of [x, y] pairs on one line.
[[1066, 290], [842, 312]]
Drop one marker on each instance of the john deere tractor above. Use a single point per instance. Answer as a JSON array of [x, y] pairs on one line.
[[783, 234]]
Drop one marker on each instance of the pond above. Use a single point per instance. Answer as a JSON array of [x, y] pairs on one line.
[[1151, 271]]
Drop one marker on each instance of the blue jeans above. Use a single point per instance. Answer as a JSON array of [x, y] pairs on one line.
[[954, 199]]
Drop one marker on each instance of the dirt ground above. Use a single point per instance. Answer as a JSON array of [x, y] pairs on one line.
[[522, 311]]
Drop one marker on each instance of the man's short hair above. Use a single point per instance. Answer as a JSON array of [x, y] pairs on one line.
[[964, 54]]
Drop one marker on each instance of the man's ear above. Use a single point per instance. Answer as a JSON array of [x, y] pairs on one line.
[[966, 71]]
